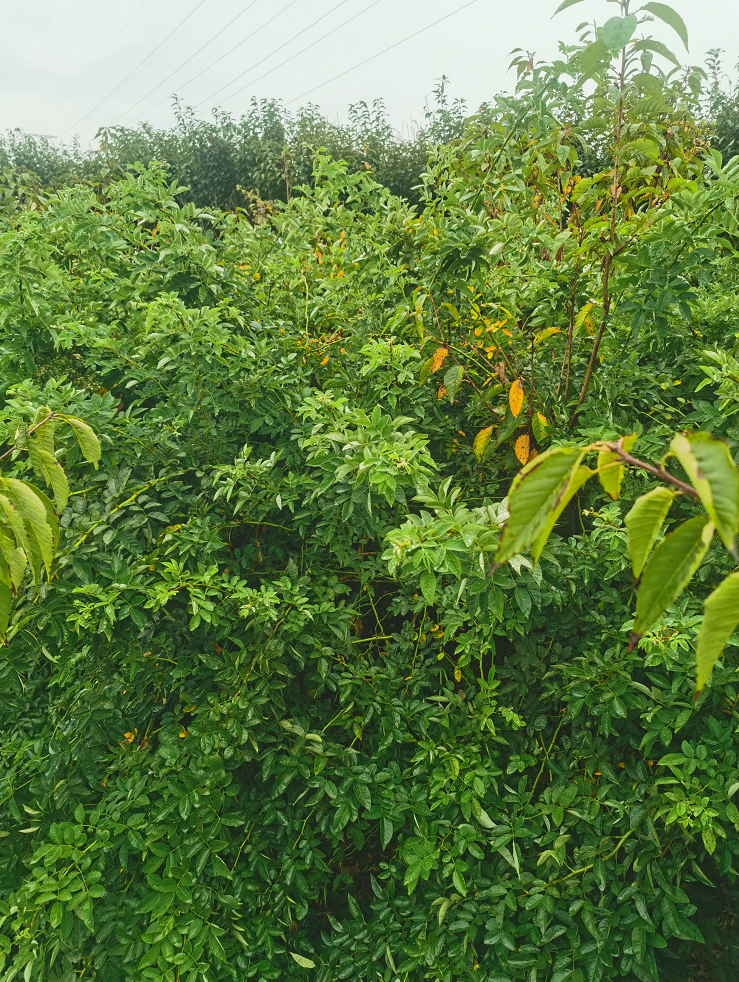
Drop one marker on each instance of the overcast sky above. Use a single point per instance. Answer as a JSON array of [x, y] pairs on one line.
[[68, 68]]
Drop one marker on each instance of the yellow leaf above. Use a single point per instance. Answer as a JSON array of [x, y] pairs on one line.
[[521, 449], [458, 674], [547, 333], [515, 397], [481, 442], [442, 392]]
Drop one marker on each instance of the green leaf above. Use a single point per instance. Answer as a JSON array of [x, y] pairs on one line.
[[611, 470], [670, 17], [89, 443], [720, 620], [564, 5], [643, 523], [303, 961], [617, 31], [428, 586], [670, 569], [594, 53], [386, 831], [82, 570], [652, 86], [649, 44], [710, 469], [459, 884], [15, 559], [6, 605], [33, 511], [534, 496], [453, 380], [648, 148], [48, 467]]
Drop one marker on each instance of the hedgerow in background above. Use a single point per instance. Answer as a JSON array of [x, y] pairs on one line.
[[238, 163], [238, 741]]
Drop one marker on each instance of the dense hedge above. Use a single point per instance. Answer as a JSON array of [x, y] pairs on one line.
[[270, 717]]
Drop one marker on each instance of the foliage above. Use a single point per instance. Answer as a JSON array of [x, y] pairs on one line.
[[295, 700], [260, 157]]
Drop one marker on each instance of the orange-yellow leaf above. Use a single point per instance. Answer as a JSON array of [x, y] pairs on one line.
[[521, 449], [515, 397], [481, 442], [438, 359], [442, 392]]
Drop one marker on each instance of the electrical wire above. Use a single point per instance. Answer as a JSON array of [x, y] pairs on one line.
[[384, 50], [94, 65], [186, 62], [221, 57], [268, 56], [140, 65], [302, 50]]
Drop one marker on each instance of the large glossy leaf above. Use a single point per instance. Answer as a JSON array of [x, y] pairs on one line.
[[720, 620], [669, 16], [534, 493], [572, 485], [670, 569], [643, 523], [617, 31], [710, 469]]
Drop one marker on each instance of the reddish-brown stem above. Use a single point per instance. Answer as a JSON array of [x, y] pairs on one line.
[[658, 472], [615, 189]]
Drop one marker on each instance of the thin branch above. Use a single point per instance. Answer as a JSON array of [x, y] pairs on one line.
[[658, 472]]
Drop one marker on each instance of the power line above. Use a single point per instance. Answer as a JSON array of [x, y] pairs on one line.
[[384, 50], [187, 61], [140, 65], [195, 15], [221, 57], [302, 50], [267, 57], [95, 64]]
